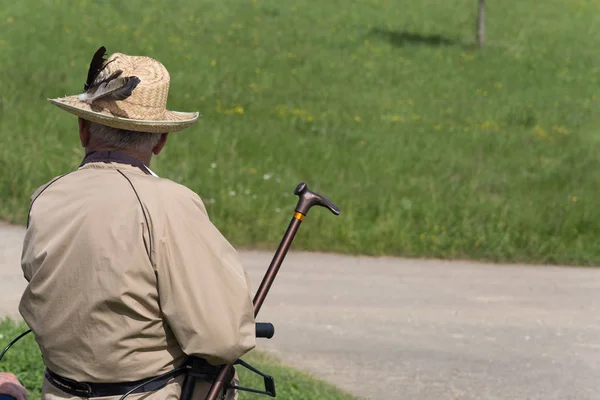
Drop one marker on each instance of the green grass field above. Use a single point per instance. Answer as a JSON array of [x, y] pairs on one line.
[[430, 147], [24, 360]]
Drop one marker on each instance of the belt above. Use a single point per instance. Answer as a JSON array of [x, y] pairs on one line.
[[194, 367], [87, 389]]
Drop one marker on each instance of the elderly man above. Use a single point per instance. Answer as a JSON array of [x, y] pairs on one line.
[[127, 274]]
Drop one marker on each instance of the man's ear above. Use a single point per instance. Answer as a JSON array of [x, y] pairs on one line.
[[161, 143], [84, 132]]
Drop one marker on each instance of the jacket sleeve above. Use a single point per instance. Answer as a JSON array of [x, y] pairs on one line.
[[203, 288]]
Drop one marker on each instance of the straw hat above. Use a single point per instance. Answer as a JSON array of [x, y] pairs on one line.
[[143, 109]]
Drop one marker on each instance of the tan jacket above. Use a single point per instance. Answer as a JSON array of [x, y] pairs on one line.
[[127, 274]]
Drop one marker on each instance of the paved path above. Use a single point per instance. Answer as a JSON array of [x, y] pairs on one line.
[[387, 328]]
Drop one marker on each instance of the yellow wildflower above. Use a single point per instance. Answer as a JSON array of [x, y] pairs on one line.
[[213, 63], [540, 131], [281, 109], [560, 129]]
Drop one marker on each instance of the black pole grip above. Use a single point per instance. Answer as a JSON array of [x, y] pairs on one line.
[[265, 330], [307, 199]]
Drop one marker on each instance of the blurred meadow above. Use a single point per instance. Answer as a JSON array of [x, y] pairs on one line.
[[431, 147]]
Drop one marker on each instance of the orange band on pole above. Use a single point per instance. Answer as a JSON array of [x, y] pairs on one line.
[[299, 216]]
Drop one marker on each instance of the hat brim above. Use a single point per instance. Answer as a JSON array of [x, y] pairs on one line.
[[173, 120]]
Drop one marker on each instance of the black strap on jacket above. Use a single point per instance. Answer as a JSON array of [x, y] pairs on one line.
[[193, 368], [88, 389], [105, 156], [109, 156]]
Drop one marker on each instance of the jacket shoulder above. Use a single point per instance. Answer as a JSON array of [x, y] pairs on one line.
[[168, 194], [40, 189]]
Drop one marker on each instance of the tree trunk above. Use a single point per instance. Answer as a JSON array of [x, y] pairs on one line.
[[481, 23]]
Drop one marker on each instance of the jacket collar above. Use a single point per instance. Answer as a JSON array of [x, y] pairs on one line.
[[108, 156]]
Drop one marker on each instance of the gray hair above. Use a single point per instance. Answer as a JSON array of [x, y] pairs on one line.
[[123, 139]]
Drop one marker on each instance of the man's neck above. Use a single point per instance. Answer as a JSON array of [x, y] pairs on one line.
[[145, 158]]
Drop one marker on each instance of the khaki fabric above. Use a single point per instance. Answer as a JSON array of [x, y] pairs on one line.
[[122, 291]]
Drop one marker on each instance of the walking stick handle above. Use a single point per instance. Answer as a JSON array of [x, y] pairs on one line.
[[308, 199]]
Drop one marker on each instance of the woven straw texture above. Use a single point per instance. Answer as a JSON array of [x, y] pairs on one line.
[[145, 110]]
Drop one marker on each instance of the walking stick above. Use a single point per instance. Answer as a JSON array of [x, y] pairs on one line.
[[307, 199]]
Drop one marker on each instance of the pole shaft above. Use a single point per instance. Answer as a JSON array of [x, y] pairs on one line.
[[261, 293], [280, 254]]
